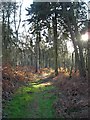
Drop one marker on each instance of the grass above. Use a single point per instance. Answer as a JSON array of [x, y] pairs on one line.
[[34, 101], [17, 106]]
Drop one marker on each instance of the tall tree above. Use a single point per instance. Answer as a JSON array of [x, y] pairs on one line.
[[55, 39], [89, 41], [72, 22]]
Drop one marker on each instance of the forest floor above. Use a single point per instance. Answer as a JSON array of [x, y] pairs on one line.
[[42, 95], [33, 101]]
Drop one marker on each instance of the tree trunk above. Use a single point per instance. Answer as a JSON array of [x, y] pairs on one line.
[[71, 67], [39, 37], [89, 50], [82, 61], [31, 59], [55, 42], [76, 63], [86, 59], [46, 60], [37, 52]]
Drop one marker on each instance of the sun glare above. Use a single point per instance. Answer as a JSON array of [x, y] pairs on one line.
[[84, 37]]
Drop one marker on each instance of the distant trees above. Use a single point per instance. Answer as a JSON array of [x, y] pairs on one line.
[[51, 26], [6, 30], [9, 35], [70, 16], [44, 17]]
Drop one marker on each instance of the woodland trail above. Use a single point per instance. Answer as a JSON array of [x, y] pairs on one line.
[[33, 101]]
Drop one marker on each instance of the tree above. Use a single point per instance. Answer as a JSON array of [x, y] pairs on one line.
[[88, 49], [7, 10], [15, 7], [69, 14], [44, 15], [54, 19], [61, 18], [36, 18]]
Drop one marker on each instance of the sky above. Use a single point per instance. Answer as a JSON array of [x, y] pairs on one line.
[[26, 3]]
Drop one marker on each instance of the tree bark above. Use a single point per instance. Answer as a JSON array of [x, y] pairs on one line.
[[55, 42], [76, 63], [39, 37], [71, 66], [89, 50], [37, 53]]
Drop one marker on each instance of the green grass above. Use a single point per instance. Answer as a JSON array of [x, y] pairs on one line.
[[31, 102], [17, 106]]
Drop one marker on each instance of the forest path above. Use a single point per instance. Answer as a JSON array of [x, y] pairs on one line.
[[33, 101]]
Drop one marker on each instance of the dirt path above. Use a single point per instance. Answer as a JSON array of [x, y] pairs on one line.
[[42, 105], [33, 101]]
